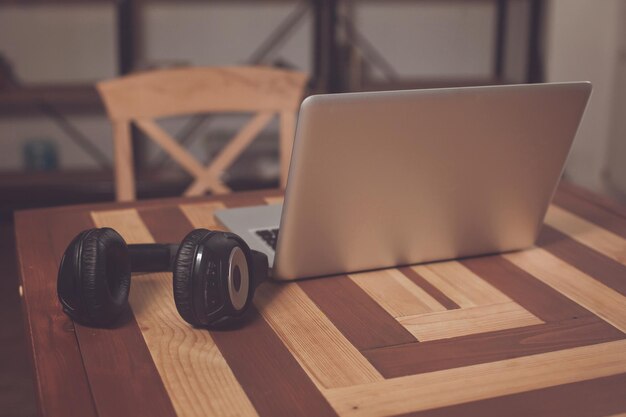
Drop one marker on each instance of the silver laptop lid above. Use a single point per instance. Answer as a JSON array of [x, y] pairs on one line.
[[391, 178]]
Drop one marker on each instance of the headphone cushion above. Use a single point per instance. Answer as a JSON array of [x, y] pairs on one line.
[[105, 275], [182, 282]]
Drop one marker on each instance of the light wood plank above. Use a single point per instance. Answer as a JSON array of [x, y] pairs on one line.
[[461, 322], [477, 382], [274, 200], [574, 284], [322, 351], [397, 294], [194, 372], [587, 233], [460, 284], [174, 91], [201, 215]]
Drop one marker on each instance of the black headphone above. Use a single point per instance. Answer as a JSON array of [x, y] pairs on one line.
[[215, 275]]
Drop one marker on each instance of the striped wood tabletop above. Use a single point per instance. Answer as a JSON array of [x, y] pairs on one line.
[[537, 332]]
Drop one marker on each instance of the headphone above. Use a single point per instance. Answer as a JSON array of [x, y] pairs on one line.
[[215, 275]]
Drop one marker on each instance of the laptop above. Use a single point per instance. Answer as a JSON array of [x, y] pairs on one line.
[[383, 179]]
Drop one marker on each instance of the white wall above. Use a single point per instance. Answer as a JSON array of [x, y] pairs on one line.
[[582, 44], [616, 169], [220, 33], [435, 40], [59, 43]]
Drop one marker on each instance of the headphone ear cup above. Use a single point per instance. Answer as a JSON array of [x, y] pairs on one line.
[[104, 276], [182, 282], [68, 280]]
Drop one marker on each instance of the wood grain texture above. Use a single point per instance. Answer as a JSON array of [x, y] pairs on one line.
[[593, 211], [589, 261], [585, 232], [460, 284], [270, 376], [324, 353], [274, 381], [479, 382], [333, 347], [194, 372], [54, 347], [170, 92], [433, 291], [397, 294], [122, 374], [416, 358], [115, 380], [201, 215], [247, 201], [535, 296], [574, 284], [359, 318], [591, 398], [471, 320], [117, 361], [577, 193], [166, 225]]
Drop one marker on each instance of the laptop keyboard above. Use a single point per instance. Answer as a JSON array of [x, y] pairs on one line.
[[269, 236]]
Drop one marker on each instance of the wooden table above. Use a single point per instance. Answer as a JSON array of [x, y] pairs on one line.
[[531, 333]]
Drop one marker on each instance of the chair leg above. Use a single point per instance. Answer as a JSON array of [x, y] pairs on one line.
[[123, 152]]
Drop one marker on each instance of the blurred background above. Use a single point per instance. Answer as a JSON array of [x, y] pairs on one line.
[[56, 141]]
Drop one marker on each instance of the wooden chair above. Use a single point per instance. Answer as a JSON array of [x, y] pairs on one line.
[[140, 98]]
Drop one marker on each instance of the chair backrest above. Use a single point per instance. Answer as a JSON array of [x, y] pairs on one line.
[[141, 98]]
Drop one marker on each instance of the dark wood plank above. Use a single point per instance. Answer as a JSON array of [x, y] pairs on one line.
[[357, 316], [246, 201], [604, 201], [415, 358], [429, 288], [611, 273], [271, 377], [535, 296], [266, 370], [592, 211], [17, 386], [121, 373], [167, 222], [592, 398], [61, 380]]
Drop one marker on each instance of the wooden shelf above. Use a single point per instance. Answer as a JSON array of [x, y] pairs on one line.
[[64, 98]]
